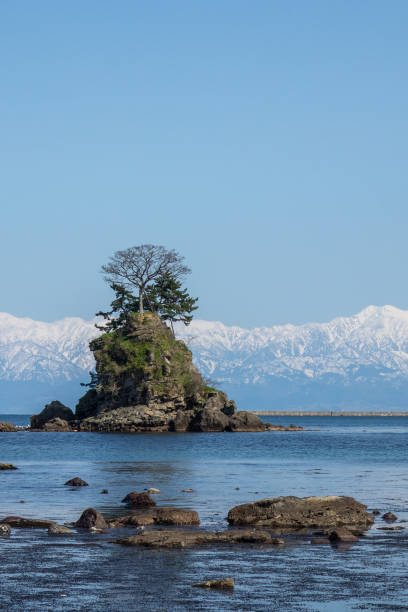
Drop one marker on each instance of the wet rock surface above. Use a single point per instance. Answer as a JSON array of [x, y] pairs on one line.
[[305, 512], [91, 518], [342, 535], [222, 583], [182, 538], [23, 523], [138, 500], [5, 529], [389, 517], [56, 529]]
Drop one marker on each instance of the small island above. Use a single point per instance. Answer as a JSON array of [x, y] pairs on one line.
[[144, 378]]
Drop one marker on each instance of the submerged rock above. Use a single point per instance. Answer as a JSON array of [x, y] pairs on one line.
[[7, 466], [76, 482], [91, 518], [222, 583], [5, 529], [305, 512], [179, 538]]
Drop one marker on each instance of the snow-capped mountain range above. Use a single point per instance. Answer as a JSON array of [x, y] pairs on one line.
[[358, 360]]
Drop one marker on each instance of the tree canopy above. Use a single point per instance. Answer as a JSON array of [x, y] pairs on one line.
[[158, 284], [139, 266]]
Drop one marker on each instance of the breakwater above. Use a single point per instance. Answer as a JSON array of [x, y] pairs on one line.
[[328, 413]]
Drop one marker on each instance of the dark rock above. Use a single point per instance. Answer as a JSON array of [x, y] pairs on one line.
[[23, 523], [246, 421], [389, 517], [7, 466], [51, 411], [6, 427], [5, 529], [222, 583], [104, 491], [182, 421], [376, 512], [176, 516], [306, 512], [59, 530], [342, 535], [57, 424], [138, 500], [210, 420], [178, 538], [139, 519], [91, 518], [76, 482], [317, 541]]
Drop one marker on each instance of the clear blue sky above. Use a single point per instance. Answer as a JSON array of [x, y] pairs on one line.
[[265, 140]]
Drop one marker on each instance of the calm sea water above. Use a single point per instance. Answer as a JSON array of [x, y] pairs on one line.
[[366, 458]]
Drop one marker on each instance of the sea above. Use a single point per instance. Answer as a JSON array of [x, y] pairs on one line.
[[362, 457]]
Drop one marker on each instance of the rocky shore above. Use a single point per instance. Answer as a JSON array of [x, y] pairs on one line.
[[263, 523], [146, 381]]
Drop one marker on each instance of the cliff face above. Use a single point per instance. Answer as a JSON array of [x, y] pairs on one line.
[[146, 380]]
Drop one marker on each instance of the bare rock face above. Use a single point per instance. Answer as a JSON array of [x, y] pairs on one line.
[[176, 516], [91, 518], [300, 513], [182, 538], [76, 482], [7, 466], [222, 583], [57, 424], [138, 500], [6, 427], [51, 411]]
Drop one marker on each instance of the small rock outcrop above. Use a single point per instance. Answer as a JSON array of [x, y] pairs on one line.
[[59, 530], [91, 518], [57, 424], [342, 535], [5, 529], [302, 513], [76, 482], [6, 427], [7, 466], [158, 516], [389, 517], [52, 411], [222, 583]]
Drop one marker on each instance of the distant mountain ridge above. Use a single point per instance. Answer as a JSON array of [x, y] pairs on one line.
[[354, 362]]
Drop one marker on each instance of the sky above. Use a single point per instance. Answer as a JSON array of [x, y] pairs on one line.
[[266, 141]]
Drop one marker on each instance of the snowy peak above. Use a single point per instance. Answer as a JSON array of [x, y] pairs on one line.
[[372, 344]]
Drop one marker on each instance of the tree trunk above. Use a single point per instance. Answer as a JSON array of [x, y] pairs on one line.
[[141, 302]]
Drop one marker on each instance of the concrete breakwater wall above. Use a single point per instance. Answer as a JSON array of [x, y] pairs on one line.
[[328, 413]]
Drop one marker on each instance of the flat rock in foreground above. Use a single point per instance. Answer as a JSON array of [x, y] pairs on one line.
[[183, 538], [158, 516], [302, 512], [223, 583], [23, 523]]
